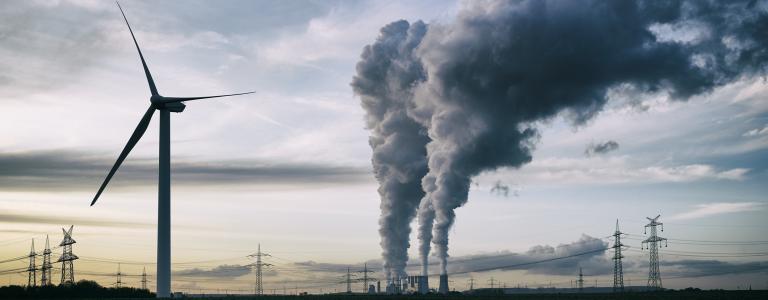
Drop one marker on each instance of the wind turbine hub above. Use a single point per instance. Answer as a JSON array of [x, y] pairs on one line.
[[156, 99]]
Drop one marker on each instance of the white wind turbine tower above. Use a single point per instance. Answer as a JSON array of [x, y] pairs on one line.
[[165, 105]]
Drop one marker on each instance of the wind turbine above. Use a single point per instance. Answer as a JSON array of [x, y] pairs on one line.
[[165, 105]]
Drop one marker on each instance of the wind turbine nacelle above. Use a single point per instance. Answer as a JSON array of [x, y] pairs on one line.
[[176, 107], [160, 102]]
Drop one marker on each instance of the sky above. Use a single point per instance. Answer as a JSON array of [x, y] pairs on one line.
[[289, 167]]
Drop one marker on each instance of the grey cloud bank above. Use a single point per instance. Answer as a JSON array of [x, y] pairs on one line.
[[489, 77], [72, 170], [11, 217]]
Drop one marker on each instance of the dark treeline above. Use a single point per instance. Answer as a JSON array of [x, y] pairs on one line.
[[82, 289]]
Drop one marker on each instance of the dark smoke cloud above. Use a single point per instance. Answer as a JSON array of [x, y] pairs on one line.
[[385, 78], [502, 189], [502, 67], [601, 148]]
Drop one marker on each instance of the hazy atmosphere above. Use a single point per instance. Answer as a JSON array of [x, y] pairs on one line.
[[469, 138]]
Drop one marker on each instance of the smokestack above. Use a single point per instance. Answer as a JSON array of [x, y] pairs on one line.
[[443, 284], [378, 287], [423, 284]]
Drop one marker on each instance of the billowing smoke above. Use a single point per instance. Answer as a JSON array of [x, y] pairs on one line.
[[488, 78], [386, 77], [601, 148]]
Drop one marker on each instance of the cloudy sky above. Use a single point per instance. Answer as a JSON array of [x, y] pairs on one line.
[[290, 166]]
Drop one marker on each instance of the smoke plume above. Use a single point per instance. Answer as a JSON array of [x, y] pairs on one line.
[[480, 85], [385, 79]]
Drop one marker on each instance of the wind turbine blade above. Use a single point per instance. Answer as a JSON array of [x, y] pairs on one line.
[[150, 81], [182, 99], [135, 137]]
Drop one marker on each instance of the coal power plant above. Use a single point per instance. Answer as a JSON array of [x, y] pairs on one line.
[[445, 102], [384, 149]]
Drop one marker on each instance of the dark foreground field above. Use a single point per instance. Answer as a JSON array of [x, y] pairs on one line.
[[683, 295], [91, 290], [703, 295]]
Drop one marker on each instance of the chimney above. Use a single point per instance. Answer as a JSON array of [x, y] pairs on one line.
[[443, 284], [423, 284]]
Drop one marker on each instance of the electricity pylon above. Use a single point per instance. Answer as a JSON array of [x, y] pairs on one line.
[[349, 282], [365, 272], [46, 267], [618, 272], [144, 278], [32, 269], [259, 288], [580, 282], [119, 281], [652, 243], [67, 258]]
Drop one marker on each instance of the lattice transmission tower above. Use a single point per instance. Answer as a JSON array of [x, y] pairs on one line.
[[67, 257], [259, 265], [144, 278], [652, 243], [32, 269], [366, 279], [618, 272], [580, 282], [119, 279], [349, 282], [46, 267]]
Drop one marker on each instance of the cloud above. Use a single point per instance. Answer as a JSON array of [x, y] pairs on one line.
[[756, 132], [593, 261], [702, 268], [313, 266], [618, 170], [12, 217], [71, 170], [227, 271], [601, 148], [712, 209], [42, 49]]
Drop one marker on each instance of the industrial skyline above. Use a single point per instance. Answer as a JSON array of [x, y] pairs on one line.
[[292, 170]]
